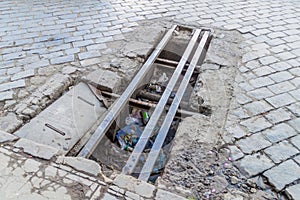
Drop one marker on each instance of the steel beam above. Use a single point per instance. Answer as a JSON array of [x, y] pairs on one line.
[[160, 138], [121, 102], [138, 149]]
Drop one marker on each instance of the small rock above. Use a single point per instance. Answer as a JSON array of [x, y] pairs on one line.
[[253, 190], [29, 112], [69, 70], [10, 122], [234, 180]]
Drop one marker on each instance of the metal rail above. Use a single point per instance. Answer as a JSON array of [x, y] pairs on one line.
[[155, 150], [135, 155], [121, 102]]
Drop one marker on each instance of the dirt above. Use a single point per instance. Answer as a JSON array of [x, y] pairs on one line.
[[199, 161]]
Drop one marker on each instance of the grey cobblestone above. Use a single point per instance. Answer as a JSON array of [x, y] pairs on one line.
[[62, 59], [261, 82], [296, 94], [280, 66], [278, 115], [258, 107], [260, 93], [256, 124], [279, 132], [262, 71], [295, 109], [12, 85], [283, 174], [253, 143], [23, 74], [281, 87], [255, 164], [7, 95], [281, 100], [293, 191], [89, 54], [296, 141], [281, 151]]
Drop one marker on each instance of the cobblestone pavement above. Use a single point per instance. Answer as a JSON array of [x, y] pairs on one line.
[[40, 38]]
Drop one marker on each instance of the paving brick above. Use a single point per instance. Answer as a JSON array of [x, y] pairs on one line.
[[12, 56], [295, 71], [72, 51], [262, 71], [281, 151], [297, 159], [276, 35], [281, 76], [12, 85], [279, 132], [292, 38], [258, 107], [285, 56], [294, 191], [235, 152], [281, 87], [91, 61], [261, 82], [296, 81], [256, 124], [255, 164], [236, 131], [260, 93], [296, 94], [89, 54], [62, 59], [254, 55], [7, 95], [280, 48], [96, 47], [268, 60], [38, 64], [278, 115], [23, 74], [295, 123], [280, 66], [252, 144], [13, 70], [83, 43], [281, 100], [243, 99], [283, 174], [295, 109]]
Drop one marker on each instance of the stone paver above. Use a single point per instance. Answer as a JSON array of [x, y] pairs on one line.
[[281, 151], [255, 164], [294, 191], [283, 174]]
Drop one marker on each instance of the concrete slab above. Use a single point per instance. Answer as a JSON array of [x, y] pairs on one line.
[[63, 123]]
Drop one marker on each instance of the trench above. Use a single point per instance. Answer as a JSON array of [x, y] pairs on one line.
[[114, 149]]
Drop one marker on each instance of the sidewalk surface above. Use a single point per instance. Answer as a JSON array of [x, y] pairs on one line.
[[38, 38]]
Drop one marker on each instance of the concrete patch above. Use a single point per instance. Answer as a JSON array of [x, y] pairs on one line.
[[63, 123], [83, 165], [6, 137], [35, 149]]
